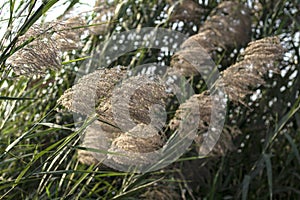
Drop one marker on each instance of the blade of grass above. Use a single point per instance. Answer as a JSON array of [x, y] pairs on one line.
[[80, 180], [15, 98], [268, 163], [11, 11], [53, 166], [52, 125], [125, 194], [75, 60], [245, 190], [29, 165], [259, 163], [15, 142], [214, 186], [56, 155], [294, 146]]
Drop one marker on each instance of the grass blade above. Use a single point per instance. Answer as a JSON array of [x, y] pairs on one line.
[[268, 162], [246, 183]]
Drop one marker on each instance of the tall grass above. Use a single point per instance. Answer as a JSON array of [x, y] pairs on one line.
[[38, 145]]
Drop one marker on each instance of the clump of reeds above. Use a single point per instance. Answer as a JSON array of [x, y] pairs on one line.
[[238, 80], [128, 105]]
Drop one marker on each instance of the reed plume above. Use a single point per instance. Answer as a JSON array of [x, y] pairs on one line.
[[228, 27], [97, 137], [42, 46], [92, 90], [131, 146], [259, 58]]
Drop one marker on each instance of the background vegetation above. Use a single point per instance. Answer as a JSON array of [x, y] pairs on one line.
[[38, 145]]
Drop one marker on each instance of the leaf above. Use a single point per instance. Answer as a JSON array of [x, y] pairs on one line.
[[267, 159], [52, 125], [124, 194], [246, 183], [15, 98], [294, 146]]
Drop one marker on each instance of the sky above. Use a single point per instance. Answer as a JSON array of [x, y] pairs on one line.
[[52, 14]]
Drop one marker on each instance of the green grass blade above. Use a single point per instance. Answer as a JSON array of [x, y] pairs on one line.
[[268, 162], [294, 146], [245, 190], [15, 98]]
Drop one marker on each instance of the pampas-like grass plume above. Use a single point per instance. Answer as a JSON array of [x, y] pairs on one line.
[[259, 58], [92, 90], [36, 58], [43, 46], [204, 102], [126, 105], [67, 33], [228, 27], [142, 100], [130, 146]]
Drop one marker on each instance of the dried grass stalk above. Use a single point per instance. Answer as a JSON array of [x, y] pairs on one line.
[[228, 27], [44, 48], [259, 58]]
